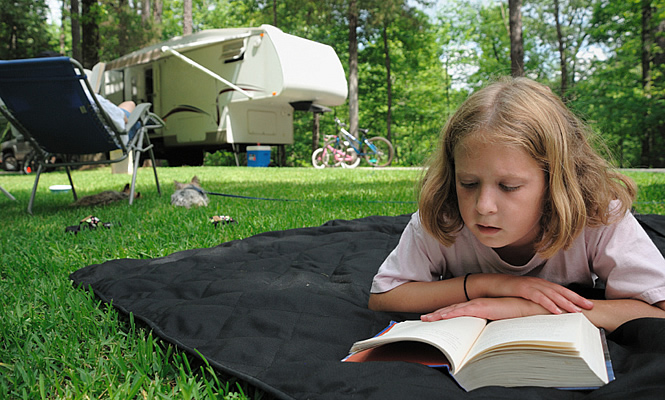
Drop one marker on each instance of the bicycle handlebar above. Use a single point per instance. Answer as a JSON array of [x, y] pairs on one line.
[[340, 123]]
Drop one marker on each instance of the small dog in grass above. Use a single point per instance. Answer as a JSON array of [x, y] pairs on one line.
[[104, 198], [189, 194]]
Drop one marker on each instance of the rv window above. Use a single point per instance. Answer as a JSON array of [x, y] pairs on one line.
[[233, 50], [113, 83]]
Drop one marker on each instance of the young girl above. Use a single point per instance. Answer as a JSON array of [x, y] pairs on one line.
[[515, 206]]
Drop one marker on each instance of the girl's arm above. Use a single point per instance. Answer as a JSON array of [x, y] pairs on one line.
[[607, 314], [425, 297], [551, 296], [419, 297]]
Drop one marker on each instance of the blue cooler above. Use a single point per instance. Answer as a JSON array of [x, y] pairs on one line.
[[258, 156]]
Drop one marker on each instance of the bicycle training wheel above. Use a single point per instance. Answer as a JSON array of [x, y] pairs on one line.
[[320, 159], [380, 153], [346, 156]]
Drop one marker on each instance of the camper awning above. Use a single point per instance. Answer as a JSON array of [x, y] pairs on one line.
[[182, 43]]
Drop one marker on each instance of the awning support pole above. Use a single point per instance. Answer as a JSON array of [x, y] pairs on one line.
[[166, 49]]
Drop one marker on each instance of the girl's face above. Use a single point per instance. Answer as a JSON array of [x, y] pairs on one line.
[[500, 192]]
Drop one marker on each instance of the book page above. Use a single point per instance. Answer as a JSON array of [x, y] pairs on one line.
[[96, 76], [594, 343], [552, 331], [454, 337]]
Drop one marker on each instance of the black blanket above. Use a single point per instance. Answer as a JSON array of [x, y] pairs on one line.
[[281, 309]]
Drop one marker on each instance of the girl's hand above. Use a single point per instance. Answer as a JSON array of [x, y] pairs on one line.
[[488, 308], [551, 296]]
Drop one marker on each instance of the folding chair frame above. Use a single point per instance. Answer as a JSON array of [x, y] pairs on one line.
[[140, 143], [6, 193]]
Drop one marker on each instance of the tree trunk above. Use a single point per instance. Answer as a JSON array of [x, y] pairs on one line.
[[389, 85], [274, 13], [353, 68], [573, 62], [90, 33], [658, 61], [75, 18], [316, 129], [157, 12], [187, 17], [562, 51], [516, 41], [63, 21], [647, 43], [659, 57], [145, 12], [123, 27]]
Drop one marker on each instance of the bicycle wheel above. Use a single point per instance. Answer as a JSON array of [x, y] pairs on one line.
[[346, 156], [380, 153], [334, 159], [320, 159]]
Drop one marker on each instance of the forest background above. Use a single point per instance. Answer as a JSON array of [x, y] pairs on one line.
[[413, 61]]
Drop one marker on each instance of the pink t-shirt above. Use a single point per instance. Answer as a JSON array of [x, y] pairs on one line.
[[620, 255]]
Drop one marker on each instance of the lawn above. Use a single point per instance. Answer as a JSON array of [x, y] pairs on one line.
[[61, 342]]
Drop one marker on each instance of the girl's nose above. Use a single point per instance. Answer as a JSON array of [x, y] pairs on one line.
[[486, 202]]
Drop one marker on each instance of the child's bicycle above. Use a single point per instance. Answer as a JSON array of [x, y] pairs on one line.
[[345, 150]]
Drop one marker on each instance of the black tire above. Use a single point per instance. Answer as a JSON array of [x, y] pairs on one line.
[[10, 163], [384, 152]]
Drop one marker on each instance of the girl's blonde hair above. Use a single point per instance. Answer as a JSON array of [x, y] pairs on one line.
[[521, 112]]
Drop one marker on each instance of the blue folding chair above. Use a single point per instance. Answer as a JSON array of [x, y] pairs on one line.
[[50, 101]]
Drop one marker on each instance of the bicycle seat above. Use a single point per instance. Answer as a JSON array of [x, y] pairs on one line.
[[363, 130]]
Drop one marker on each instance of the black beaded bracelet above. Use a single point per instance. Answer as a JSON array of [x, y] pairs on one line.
[[465, 292]]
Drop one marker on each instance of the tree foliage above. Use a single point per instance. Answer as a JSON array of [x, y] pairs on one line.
[[23, 29], [624, 108], [416, 60]]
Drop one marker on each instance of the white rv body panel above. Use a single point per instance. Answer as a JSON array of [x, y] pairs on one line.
[[272, 70]]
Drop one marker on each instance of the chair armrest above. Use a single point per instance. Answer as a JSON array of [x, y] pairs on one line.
[[157, 122], [136, 115]]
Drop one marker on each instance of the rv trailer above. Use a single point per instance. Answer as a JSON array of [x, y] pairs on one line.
[[227, 88]]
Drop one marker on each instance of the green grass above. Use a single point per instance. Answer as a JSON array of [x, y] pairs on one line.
[[61, 342]]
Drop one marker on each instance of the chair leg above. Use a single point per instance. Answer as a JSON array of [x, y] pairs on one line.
[[137, 156], [34, 188], [154, 164], [132, 189], [71, 183], [3, 190]]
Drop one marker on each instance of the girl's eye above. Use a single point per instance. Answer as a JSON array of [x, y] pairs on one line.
[[507, 188], [468, 185]]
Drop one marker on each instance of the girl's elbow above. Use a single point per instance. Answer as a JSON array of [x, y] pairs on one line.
[[374, 302], [660, 304]]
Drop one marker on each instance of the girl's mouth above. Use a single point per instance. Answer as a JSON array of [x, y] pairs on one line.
[[487, 230]]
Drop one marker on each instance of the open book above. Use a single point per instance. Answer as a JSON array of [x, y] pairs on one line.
[[97, 76], [564, 351]]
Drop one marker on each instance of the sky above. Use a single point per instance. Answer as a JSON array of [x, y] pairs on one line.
[[55, 7]]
